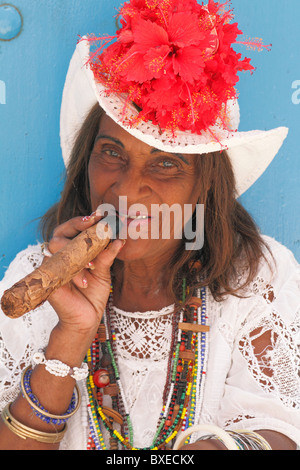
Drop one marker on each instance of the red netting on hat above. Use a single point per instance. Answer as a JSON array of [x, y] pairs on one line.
[[175, 60]]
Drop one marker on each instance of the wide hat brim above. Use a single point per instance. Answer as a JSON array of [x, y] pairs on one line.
[[250, 152]]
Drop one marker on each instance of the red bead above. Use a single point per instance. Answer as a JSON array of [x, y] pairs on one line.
[[182, 347], [100, 398], [101, 378], [168, 423], [179, 369]]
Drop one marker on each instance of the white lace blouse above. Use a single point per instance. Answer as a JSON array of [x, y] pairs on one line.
[[243, 389]]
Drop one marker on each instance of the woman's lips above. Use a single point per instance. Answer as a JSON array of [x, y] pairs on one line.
[[135, 220]]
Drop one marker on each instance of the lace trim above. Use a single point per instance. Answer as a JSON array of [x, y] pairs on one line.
[[11, 373], [21, 338], [276, 368], [237, 420], [143, 336], [260, 287], [146, 315]]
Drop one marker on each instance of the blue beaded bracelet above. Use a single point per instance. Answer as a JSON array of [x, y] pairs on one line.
[[39, 410]]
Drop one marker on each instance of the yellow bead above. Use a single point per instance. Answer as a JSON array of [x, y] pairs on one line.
[[91, 382], [118, 435]]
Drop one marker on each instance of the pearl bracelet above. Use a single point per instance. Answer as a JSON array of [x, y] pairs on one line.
[[59, 369]]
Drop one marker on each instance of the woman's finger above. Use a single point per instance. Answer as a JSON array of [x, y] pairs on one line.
[[69, 230], [80, 280], [105, 259], [74, 226], [56, 244]]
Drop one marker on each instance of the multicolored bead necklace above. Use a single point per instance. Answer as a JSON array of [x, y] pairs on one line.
[[182, 396]]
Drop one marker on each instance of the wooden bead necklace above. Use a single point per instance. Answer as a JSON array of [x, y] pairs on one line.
[[182, 395]]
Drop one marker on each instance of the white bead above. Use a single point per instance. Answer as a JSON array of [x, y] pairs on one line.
[[39, 358], [59, 369], [80, 373]]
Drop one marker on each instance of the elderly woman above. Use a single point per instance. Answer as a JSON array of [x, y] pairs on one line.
[[158, 340]]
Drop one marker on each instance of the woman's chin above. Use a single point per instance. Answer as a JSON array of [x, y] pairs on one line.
[[148, 250], [136, 250]]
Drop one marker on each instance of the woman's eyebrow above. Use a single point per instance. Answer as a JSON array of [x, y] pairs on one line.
[[113, 139], [179, 155]]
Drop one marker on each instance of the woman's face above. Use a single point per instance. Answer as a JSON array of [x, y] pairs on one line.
[[124, 172]]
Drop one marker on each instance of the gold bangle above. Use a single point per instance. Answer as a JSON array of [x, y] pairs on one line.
[[28, 433], [46, 413]]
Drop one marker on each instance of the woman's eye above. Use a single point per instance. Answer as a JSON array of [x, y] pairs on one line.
[[167, 164], [110, 153], [109, 157]]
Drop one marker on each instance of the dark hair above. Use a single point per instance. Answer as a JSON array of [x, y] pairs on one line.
[[75, 197], [231, 240]]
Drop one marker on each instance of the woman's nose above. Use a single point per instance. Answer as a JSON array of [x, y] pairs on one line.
[[133, 184]]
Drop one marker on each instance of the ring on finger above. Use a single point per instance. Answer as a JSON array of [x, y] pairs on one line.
[[91, 266]]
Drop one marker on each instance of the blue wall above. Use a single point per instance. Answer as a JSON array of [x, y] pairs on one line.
[[268, 100], [32, 72]]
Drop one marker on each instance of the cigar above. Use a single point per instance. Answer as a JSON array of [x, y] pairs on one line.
[[57, 270]]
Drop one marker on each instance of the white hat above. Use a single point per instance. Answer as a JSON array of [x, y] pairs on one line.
[[250, 152]]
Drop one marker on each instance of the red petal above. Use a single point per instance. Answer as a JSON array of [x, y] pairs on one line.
[[184, 29], [165, 94], [189, 64], [245, 65], [155, 60], [132, 67], [126, 36], [148, 34], [231, 32]]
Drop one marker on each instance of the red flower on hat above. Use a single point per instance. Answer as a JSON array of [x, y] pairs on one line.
[[174, 59]]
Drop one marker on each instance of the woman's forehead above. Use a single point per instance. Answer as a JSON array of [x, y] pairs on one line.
[[108, 127]]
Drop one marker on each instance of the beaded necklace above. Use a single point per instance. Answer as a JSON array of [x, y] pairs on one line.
[[182, 395]]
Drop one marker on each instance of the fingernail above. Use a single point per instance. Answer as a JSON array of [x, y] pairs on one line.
[[91, 266], [124, 242], [87, 218]]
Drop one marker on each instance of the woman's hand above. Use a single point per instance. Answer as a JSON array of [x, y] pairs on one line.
[[81, 303], [79, 306]]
